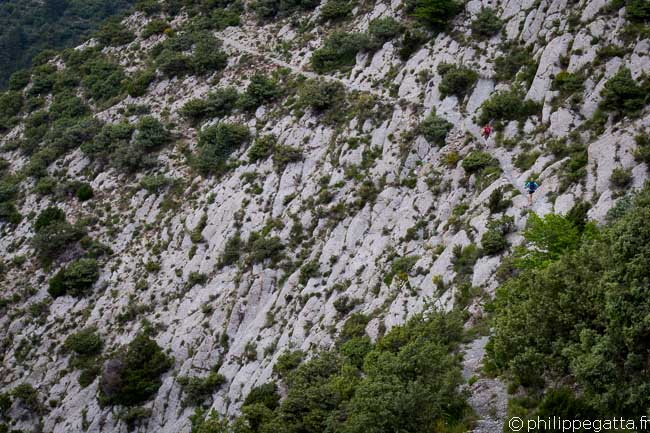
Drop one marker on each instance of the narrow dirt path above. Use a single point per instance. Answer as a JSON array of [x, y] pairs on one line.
[[239, 46]]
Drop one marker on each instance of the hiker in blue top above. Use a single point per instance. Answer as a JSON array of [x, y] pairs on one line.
[[531, 187]]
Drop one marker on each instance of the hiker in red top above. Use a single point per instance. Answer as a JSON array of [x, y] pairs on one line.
[[487, 130]]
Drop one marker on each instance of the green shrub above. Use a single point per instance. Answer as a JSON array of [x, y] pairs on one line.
[[196, 278], [9, 213], [494, 239], [436, 14], [568, 83], [108, 140], [49, 216], [268, 9], [339, 51], [476, 161], [486, 23], [75, 279], [285, 155], [232, 250], [126, 151], [229, 17], [496, 203], [642, 153], [139, 83], [411, 375], [260, 90], [435, 129], [288, 362], [174, 64], [197, 389], [262, 148], [11, 104], [637, 11], [515, 58], [114, 33], [134, 376], [266, 394], [102, 79], [217, 143], [208, 57], [216, 104], [27, 395], [620, 178], [456, 80], [321, 95], [412, 40], [526, 159], [382, 30], [623, 95], [607, 52], [150, 134], [85, 192], [336, 10], [155, 183], [19, 80], [154, 27], [264, 248], [308, 270], [507, 106], [86, 342]]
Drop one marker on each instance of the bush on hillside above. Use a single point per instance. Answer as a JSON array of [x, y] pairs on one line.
[[198, 389], [114, 33], [321, 95], [261, 89], [154, 27], [264, 248], [216, 104], [567, 83], [514, 59], [216, 144], [436, 14], [486, 23], [269, 9], [50, 241], [435, 129], [262, 148], [49, 216], [86, 342], [284, 155], [85, 192], [623, 95], [382, 30], [339, 51], [335, 10], [456, 80], [637, 11], [75, 279], [133, 377], [476, 161], [139, 82], [494, 239], [506, 106], [102, 79]]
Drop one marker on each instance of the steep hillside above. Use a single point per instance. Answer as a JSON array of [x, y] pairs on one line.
[[187, 213]]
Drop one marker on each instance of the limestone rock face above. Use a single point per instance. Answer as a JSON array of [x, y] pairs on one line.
[[229, 271]]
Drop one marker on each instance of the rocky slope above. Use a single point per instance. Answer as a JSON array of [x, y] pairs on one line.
[[365, 192]]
